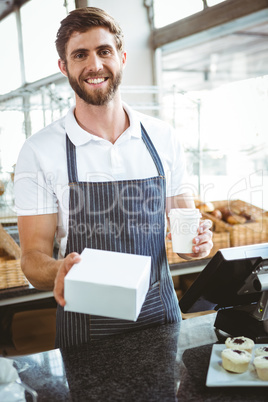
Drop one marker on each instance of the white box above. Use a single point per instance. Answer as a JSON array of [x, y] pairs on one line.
[[108, 284]]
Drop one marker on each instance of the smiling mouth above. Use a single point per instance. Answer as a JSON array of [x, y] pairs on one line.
[[96, 80]]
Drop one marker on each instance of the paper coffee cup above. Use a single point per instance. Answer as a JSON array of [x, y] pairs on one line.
[[184, 223]]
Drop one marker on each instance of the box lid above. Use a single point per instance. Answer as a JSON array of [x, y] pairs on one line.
[[110, 268]]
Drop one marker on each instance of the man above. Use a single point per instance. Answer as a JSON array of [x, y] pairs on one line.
[[97, 178]]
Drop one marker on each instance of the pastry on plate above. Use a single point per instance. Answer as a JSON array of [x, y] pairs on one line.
[[261, 351], [240, 343], [235, 361], [261, 366]]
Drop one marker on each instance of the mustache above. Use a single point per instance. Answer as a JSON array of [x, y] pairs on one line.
[[95, 75]]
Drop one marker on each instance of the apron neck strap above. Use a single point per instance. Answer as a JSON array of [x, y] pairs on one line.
[[154, 154]]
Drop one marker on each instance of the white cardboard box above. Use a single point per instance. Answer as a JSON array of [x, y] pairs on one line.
[[108, 283]]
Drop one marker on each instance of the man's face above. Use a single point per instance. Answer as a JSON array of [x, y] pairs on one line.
[[93, 65]]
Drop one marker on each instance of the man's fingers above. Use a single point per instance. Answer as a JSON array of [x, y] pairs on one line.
[[205, 225], [65, 267], [59, 292], [70, 260], [59, 287]]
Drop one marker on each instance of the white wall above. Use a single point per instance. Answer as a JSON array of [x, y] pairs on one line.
[[132, 17]]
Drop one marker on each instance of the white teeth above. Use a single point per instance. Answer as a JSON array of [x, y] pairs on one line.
[[95, 80]]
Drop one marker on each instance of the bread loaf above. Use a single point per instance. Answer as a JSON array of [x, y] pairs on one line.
[[235, 219], [205, 206]]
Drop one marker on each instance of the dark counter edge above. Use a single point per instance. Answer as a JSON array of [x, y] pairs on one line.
[[188, 264], [19, 291]]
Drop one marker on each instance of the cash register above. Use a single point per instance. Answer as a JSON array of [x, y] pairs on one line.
[[235, 284]]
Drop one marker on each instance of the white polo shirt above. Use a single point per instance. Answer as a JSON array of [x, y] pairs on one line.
[[41, 179]]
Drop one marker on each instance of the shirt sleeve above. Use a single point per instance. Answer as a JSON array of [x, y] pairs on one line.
[[33, 189], [177, 174]]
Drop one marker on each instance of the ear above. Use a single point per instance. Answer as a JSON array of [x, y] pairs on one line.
[[62, 67], [124, 59]]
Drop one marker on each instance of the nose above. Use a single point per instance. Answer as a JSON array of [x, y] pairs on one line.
[[94, 63]]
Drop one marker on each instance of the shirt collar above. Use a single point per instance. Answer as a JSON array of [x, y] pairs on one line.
[[78, 136]]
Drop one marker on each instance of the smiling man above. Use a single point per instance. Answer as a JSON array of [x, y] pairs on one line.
[[97, 178], [98, 85]]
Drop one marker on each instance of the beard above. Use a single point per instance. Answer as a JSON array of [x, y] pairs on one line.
[[98, 96]]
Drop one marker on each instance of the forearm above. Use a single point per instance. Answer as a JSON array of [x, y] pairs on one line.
[[37, 234], [180, 201], [40, 269]]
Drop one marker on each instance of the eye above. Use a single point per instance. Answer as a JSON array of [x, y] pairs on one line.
[[79, 56], [105, 52]]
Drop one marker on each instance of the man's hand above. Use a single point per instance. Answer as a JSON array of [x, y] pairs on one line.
[[202, 243], [66, 264]]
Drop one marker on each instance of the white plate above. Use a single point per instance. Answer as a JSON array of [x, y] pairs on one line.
[[218, 377]]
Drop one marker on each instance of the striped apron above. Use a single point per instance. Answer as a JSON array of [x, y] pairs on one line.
[[126, 216]]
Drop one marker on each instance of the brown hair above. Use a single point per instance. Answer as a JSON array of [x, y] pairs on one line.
[[81, 20]]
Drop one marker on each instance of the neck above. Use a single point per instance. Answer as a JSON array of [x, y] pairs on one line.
[[108, 121]]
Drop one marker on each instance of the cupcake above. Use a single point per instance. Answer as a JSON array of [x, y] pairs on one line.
[[240, 343], [234, 360], [261, 351], [261, 365]]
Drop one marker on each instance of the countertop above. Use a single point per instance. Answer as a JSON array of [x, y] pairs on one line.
[[140, 366], [165, 363]]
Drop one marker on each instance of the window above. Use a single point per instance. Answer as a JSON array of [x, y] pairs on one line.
[[168, 11], [10, 73], [234, 126], [214, 2], [224, 133], [11, 134], [40, 22]]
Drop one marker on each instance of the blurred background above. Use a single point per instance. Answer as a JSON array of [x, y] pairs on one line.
[[201, 65]]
